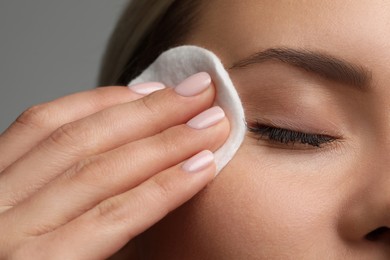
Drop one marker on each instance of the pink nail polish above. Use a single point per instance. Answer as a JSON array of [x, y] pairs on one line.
[[198, 162], [207, 118], [194, 84], [146, 88]]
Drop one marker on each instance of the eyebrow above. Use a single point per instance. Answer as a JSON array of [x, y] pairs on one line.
[[322, 64]]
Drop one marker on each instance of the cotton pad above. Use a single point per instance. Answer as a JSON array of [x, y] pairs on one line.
[[177, 64]]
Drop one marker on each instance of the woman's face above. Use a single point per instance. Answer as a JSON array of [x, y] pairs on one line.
[[322, 68]]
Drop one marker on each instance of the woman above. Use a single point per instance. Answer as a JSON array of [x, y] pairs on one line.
[[309, 182]]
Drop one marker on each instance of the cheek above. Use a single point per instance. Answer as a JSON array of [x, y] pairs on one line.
[[265, 203], [268, 202]]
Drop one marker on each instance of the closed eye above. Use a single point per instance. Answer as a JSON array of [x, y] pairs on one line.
[[288, 137]]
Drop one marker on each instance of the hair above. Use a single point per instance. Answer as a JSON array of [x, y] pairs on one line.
[[145, 30]]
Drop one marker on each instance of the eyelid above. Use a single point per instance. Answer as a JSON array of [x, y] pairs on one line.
[[302, 126], [286, 137]]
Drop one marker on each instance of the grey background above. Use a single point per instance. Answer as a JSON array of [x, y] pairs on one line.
[[50, 48]]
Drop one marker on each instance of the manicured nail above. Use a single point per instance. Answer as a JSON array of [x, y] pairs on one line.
[[194, 84], [198, 162], [207, 118], [146, 88]]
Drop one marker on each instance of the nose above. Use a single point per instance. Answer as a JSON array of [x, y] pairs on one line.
[[365, 216]]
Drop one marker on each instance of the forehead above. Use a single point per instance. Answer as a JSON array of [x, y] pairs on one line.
[[236, 28]]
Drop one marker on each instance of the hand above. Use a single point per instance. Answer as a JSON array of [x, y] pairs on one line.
[[82, 175]]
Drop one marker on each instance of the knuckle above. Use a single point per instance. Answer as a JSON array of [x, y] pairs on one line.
[[162, 188], [37, 116], [162, 192], [117, 210], [65, 135], [98, 167], [92, 171], [98, 98], [85, 165], [172, 140], [166, 142], [150, 104], [112, 210], [82, 168]]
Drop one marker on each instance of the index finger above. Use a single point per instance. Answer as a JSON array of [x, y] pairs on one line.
[[39, 121]]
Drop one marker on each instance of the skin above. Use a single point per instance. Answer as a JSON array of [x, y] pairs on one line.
[[69, 176], [273, 201], [277, 201]]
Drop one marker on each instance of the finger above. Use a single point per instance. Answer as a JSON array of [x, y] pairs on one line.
[[110, 225], [84, 186], [96, 134], [38, 122]]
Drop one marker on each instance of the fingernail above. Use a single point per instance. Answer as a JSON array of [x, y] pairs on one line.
[[207, 118], [194, 84], [198, 162], [146, 88]]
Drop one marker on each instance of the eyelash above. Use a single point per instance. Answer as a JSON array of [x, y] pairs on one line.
[[285, 136]]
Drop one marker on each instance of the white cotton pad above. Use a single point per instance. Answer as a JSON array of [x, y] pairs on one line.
[[175, 65]]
